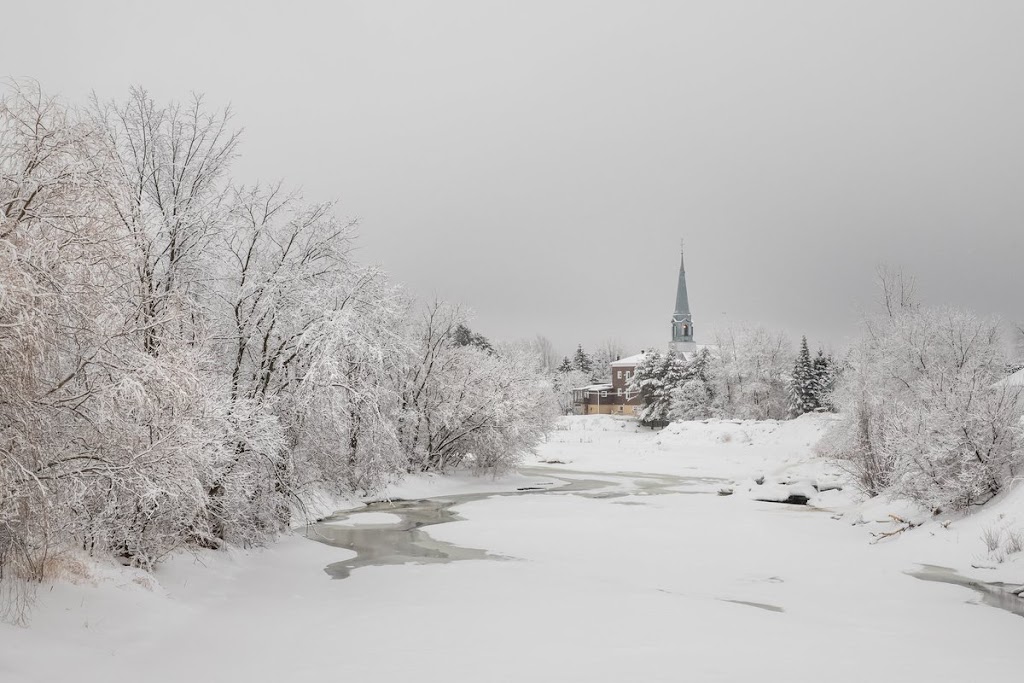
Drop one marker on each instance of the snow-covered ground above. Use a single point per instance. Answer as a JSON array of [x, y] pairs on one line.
[[645, 574]]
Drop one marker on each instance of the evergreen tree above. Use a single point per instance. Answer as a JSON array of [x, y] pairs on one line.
[[824, 369], [700, 367], [566, 365], [581, 361], [694, 398], [803, 385], [655, 378], [646, 381], [463, 336], [675, 371]]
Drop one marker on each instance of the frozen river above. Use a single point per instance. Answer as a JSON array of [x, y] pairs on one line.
[[392, 532], [617, 563]]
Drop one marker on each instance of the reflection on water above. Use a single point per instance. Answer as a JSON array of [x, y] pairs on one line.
[[995, 594], [405, 541]]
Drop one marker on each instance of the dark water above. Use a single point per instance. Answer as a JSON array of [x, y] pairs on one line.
[[405, 541], [994, 594]]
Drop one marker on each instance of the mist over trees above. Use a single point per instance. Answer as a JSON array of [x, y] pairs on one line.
[[182, 359]]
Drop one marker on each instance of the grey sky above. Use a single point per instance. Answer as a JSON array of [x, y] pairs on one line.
[[539, 161]]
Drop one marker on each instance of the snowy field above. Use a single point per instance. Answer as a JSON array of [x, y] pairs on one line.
[[638, 570]]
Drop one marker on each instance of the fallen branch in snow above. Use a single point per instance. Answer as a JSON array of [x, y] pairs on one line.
[[889, 534]]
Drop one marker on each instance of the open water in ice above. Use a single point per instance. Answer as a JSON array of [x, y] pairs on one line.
[[405, 541], [994, 594]]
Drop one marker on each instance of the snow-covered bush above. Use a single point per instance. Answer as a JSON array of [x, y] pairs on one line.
[[921, 415], [1002, 540]]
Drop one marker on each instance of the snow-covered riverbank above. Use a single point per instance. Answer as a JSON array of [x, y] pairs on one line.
[[626, 583], [743, 453]]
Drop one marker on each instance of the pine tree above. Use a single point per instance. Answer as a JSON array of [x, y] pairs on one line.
[[694, 398], [581, 361], [700, 367], [675, 371], [463, 336], [647, 381], [656, 378], [803, 385], [824, 370], [566, 365]]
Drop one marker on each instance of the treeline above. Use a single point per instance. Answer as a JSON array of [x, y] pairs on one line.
[[924, 411], [748, 373], [581, 369], [182, 358]]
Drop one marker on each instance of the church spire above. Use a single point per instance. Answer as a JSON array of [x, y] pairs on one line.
[[682, 320], [682, 301]]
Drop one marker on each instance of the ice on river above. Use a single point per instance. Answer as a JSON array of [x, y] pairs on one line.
[[625, 566]]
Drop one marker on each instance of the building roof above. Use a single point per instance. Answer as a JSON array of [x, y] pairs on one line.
[[594, 387], [630, 360]]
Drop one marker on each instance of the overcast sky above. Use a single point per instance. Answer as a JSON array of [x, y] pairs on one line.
[[539, 161]]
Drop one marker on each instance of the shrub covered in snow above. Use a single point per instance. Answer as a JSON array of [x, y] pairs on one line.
[[922, 418]]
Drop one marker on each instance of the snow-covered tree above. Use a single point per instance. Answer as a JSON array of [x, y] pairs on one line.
[[921, 415], [106, 439], [607, 352], [463, 336], [280, 271], [545, 351], [165, 179], [182, 362], [655, 378], [458, 402], [581, 361], [825, 374], [694, 398], [563, 383], [751, 373], [57, 320], [804, 389]]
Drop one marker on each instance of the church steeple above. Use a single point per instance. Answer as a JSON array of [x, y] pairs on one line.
[[682, 301], [682, 320]]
